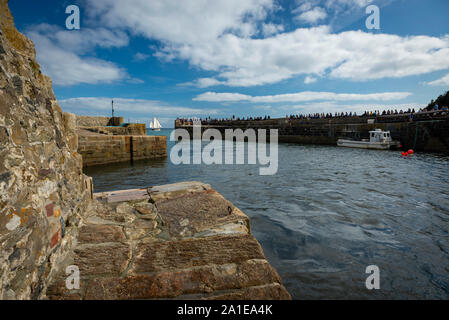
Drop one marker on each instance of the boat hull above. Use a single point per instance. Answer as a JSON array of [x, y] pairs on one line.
[[367, 144]]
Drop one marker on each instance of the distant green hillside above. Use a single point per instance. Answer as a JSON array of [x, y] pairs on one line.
[[441, 101]]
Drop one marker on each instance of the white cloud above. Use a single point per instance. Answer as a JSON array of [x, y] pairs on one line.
[[309, 80], [269, 29], [359, 3], [391, 56], [305, 6], [312, 16], [80, 41], [301, 96], [59, 53], [140, 56], [263, 107], [347, 13], [440, 82], [202, 83], [222, 97], [352, 55], [135, 81], [215, 36], [181, 21], [102, 105]]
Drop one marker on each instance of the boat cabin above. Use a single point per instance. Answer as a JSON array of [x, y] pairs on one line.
[[379, 136]]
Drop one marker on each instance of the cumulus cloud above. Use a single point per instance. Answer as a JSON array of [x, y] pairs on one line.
[[60, 54], [309, 80], [80, 41], [338, 8], [304, 5], [352, 55], [359, 3], [181, 21], [312, 16], [440, 82], [269, 29], [140, 57], [217, 36], [135, 81], [222, 97], [301, 97], [202, 83], [263, 107]]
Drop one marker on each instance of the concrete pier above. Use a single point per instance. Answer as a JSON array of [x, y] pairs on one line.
[[426, 132]]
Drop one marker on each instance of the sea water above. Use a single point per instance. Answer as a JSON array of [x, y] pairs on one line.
[[328, 214]]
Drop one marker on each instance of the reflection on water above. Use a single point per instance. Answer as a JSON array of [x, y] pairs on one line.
[[329, 213]]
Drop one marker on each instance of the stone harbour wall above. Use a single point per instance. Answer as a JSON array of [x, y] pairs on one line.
[[43, 190], [103, 149], [137, 129], [92, 121], [428, 133], [148, 147]]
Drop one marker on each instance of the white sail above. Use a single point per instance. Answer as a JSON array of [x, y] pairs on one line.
[[155, 124]]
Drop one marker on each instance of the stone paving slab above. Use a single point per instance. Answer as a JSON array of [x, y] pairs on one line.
[[102, 260], [183, 241], [122, 195], [189, 214], [100, 234], [175, 255], [204, 280]]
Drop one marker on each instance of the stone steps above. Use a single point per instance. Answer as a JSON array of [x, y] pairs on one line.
[[180, 241]]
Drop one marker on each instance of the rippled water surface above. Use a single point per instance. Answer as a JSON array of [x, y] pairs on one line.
[[329, 213]]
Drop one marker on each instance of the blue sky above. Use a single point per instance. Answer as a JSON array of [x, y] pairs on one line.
[[168, 58]]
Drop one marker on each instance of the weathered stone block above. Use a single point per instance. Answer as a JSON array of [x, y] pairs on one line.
[[197, 212], [102, 260], [100, 234], [172, 255], [195, 281]]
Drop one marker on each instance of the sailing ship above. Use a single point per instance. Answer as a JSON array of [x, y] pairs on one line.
[[155, 125]]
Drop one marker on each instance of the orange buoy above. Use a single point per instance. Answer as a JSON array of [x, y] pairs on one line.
[[411, 152]]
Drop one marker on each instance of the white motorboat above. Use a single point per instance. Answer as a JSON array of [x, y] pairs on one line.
[[379, 139], [155, 125]]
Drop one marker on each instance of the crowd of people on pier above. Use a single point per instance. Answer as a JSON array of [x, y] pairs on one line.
[[350, 114], [374, 113], [336, 115], [209, 120]]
